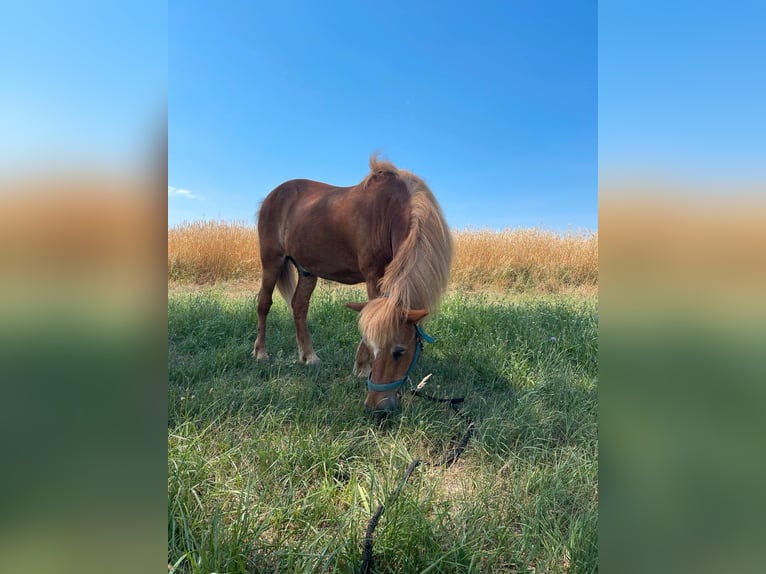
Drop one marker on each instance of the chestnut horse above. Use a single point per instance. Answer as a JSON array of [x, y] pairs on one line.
[[388, 232]]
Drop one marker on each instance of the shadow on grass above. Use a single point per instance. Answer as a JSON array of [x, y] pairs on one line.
[[527, 368]]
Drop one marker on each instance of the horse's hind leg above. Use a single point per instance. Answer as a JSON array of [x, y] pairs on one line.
[[300, 305], [268, 281]]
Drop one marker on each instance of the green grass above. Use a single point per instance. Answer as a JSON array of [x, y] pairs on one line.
[[275, 467]]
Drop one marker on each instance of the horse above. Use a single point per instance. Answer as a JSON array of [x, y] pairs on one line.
[[388, 232]]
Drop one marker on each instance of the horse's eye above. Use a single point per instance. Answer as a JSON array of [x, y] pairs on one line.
[[398, 351]]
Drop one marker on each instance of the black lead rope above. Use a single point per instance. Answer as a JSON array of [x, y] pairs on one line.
[[449, 459], [367, 551], [453, 403], [453, 454]]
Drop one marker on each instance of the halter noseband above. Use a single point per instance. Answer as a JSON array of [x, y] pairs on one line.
[[420, 336]]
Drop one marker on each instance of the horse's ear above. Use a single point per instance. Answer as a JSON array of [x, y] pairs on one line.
[[416, 315], [356, 306]]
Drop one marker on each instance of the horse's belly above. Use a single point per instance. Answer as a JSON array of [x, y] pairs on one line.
[[348, 277], [338, 271]]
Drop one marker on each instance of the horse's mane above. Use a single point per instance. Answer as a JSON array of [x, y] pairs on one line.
[[379, 167], [417, 276]]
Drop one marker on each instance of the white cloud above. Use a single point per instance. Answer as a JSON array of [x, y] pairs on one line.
[[185, 193]]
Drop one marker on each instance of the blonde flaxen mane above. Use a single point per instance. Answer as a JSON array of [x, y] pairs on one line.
[[417, 276]]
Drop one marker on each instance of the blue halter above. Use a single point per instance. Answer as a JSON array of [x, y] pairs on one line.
[[420, 336]]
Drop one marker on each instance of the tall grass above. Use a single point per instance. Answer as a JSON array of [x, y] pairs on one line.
[[520, 260], [210, 251], [526, 259]]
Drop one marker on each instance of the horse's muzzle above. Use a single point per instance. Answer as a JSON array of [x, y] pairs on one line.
[[383, 408]]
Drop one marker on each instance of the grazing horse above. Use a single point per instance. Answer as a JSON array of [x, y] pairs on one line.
[[388, 232]]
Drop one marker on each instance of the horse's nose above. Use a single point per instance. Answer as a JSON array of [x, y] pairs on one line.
[[383, 408]]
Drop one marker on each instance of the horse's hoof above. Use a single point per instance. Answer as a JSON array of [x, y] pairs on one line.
[[312, 360], [260, 355]]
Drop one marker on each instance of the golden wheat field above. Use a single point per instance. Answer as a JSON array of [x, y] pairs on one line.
[[521, 260]]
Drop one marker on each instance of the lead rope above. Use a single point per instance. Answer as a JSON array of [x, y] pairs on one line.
[[448, 460]]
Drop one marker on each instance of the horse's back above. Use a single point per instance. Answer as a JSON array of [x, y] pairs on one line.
[[281, 203], [306, 219], [344, 234], [285, 195]]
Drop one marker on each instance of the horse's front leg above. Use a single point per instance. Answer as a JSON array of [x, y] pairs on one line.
[[300, 305], [372, 287], [363, 361]]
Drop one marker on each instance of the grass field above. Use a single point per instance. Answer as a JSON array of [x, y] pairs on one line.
[[275, 467]]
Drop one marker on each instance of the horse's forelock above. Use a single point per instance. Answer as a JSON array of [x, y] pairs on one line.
[[379, 321]]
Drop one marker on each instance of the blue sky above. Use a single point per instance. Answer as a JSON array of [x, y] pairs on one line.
[[494, 104]]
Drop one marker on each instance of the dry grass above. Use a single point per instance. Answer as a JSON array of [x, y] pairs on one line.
[[525, 260], [512, 260], [210, 251]]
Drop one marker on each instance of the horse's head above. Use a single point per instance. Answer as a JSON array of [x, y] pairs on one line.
[[390, 361]]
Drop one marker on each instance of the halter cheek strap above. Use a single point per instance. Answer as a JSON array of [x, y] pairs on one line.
[[420, 336]]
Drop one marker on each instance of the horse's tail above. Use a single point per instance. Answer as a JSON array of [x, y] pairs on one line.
[[287, 281]]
